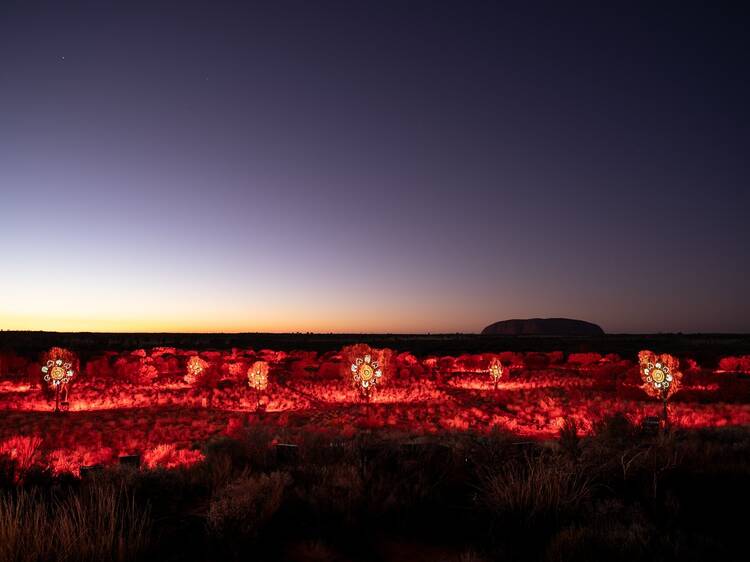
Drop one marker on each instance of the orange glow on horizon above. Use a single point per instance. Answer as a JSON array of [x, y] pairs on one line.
[[191, 326], [171, 305]]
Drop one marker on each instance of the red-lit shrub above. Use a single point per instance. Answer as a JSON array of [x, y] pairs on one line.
[[12, 365], [23, 451], [167, 365], [584, 359], [469, 363], [536, 360], [737, 364], [511, 358], [610, 374], [99, 368], [556, 357], [136, 368], [446, 365], [302, 364], [272, 357], [167, 455], [233, 371], [329, 370], [406, 366]]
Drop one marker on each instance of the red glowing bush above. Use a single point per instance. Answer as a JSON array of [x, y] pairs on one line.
[[329, 370], [556, 357], [98, 368], [273, 357], [584, 359], [302, 363], [23, 451], [12, 365], [739, 364], [234, 370], [405, 366], [469, 363], [135, 368], [511, 358], [536, 360], [167, 455]]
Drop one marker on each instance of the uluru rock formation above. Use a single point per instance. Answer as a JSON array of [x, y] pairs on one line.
[[543, 327]]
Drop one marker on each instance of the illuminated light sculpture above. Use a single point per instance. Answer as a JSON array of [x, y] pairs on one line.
[[496, 371], [58, 370], [203, 375], [257, 379], [366, 374], [196, 369], [660, 375], [257, 375]]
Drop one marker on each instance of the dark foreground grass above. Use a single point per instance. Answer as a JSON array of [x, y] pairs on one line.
[[616, 495]]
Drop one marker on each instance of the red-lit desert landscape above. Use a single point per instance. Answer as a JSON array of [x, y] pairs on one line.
[[147, 402]]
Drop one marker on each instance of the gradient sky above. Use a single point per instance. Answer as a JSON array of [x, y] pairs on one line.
[[393, 166]]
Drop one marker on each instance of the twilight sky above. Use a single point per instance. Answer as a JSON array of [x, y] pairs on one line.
[[392, 166]]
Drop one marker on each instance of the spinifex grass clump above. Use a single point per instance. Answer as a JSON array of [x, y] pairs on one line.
[[99, 523]]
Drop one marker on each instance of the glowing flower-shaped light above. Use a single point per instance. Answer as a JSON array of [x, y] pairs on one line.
[[257, 375], [496, 370], [365, 373], [196, 367], [57, 372], [660, 374]]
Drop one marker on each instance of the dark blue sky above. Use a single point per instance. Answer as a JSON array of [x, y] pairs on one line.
[[391, 166]]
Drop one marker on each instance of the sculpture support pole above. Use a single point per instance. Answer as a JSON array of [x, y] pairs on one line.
[[666, 413], [57, 398]]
